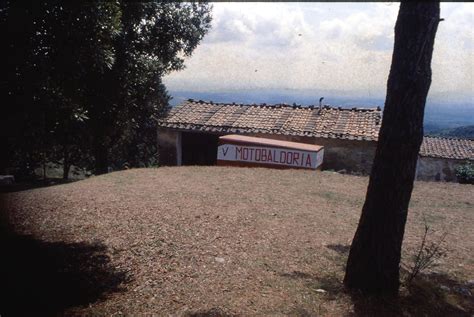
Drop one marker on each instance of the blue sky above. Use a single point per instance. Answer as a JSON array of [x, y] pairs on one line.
[[337, 46]]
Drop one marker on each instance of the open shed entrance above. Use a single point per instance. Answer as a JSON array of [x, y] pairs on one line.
[[199, 148]]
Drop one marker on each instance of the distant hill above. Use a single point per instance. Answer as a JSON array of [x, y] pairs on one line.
[[464, 132], [276, 96]]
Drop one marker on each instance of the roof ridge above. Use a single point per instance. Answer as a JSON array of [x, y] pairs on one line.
[[282, 104], [447, 138]]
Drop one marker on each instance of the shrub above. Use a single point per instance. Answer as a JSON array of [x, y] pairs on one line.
[[427, 255], [465, 173]]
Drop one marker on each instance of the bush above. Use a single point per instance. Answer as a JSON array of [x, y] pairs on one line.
[[427, 255], [465, 173]]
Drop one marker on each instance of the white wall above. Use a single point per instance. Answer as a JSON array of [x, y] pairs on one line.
[[437, 169]]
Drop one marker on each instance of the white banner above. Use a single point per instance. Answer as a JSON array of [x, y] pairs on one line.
[[270, 155]]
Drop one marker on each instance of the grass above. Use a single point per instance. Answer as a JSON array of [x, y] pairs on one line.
[[215, 241]]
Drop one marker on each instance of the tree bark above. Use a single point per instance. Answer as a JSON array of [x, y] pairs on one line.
[[100, 128], [101, 159], [66, 169], [374, 258], [66, 163]]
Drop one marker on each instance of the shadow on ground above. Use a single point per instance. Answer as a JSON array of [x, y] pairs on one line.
[[423, 297], [45, 278], [32, 184], [213, 312], [341, 249], [428, 295]]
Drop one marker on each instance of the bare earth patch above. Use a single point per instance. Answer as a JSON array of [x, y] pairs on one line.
[[216, 241]]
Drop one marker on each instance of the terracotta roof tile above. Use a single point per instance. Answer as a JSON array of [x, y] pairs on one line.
[[460, 149], [329, 122]]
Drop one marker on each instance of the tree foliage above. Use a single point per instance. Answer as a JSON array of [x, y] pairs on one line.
[[465, 173], [82, 82]]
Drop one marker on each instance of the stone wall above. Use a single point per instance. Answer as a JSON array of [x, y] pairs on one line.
[[339, 155], [437, 169]]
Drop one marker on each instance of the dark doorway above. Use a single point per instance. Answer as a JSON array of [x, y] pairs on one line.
[[199, 148]]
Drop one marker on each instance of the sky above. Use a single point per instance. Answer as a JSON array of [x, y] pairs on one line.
[[334, 46]]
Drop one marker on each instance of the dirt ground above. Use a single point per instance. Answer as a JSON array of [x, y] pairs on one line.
[[217, 241]]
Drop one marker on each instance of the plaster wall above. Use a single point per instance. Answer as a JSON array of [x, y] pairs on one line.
[[437, 169], [340, 155]]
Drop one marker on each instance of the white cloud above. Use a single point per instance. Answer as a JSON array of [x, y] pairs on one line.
[[453, 57], [346, 46]]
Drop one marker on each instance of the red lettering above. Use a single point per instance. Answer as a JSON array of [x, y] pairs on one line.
[[238, 150], [245, 154], [296, 156], [224, 151], [308, 161]]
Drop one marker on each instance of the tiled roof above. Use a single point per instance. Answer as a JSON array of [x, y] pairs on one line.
[[460, 149], [329, 122]]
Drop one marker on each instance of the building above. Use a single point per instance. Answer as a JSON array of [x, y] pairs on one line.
[[439, 158], [189, 134]]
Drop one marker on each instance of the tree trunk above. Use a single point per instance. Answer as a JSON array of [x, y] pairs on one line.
[[44, 167], [66, 169], [99, 128], [374, 258], [101, 158], [66, 163]]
